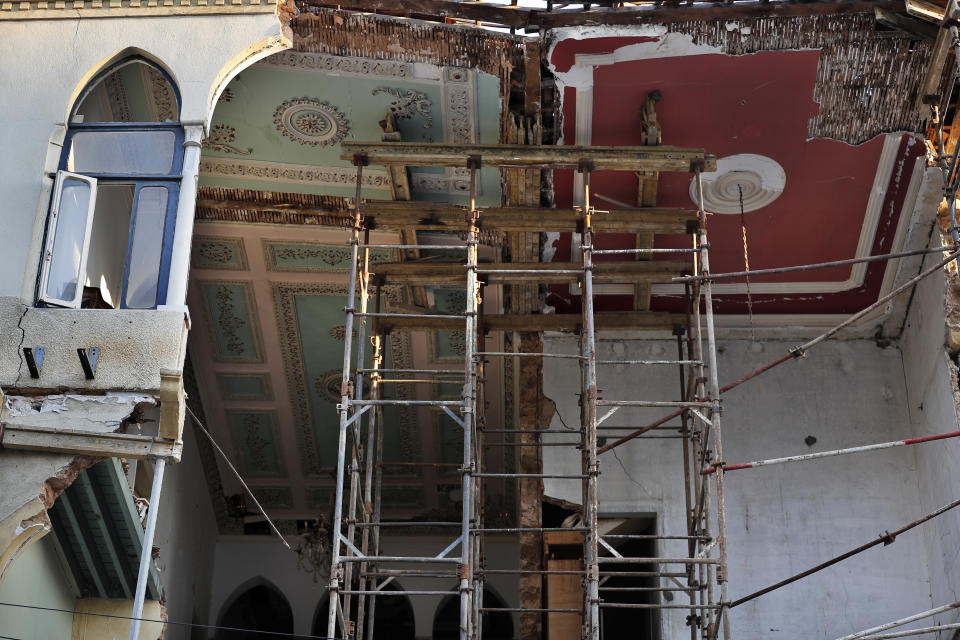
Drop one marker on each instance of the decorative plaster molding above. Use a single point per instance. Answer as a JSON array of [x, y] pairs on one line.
[[310, 121], [72, 9], [408, 103], [293, 173], [220, 138], [338, 65]]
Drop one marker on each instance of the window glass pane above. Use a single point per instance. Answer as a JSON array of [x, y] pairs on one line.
[[146, 248], [122, 152], [108, 242], [132, 92], [68, 236]]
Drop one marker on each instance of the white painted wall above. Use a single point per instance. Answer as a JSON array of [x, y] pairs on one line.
[[931, 397], [781, 519], [186, 535]]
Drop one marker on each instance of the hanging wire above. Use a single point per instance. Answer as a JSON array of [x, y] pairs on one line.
[[216, 446], [279, 634], [746, 260]]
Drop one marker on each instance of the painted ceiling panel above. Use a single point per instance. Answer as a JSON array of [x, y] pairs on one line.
[[278, 125]]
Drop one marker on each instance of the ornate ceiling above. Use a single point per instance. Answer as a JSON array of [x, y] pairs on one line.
[[278, 125], [799, 125]]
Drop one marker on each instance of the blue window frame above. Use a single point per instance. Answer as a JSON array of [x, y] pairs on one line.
[[113, 211]]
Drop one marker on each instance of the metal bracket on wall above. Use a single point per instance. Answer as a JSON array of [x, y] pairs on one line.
[[88, 360], [34, 358]]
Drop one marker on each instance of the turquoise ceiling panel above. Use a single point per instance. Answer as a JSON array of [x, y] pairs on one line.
[[257, 442], [245, 386], [311, 314], [312, 256], [217, 252], [229, 310]]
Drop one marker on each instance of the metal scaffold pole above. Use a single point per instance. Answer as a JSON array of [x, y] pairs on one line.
[[336, 568], [715, 412], [469, 607], [592, 464]]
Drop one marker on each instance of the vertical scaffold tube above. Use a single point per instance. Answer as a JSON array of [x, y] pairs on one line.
[[715, 415], [345, 383], [466, 547], [590, 508]]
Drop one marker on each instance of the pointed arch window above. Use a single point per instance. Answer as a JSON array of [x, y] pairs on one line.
[[113, 211]]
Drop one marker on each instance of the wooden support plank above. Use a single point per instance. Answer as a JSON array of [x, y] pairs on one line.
[[605, 321], [603, 272], [661, 158], [389, 216], [116, 445], [84, 542]]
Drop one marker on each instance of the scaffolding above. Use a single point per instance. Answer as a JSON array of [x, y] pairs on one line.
[[360, 571]]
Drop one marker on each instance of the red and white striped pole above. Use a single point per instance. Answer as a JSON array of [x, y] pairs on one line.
[[835, 452]]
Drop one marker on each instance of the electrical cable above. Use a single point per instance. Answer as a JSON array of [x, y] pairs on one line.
[[214, 627], [216, 446]]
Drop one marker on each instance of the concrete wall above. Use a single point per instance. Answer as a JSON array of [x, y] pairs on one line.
[[932, 405], [37, 578], [780, 519], [239, 563], [186, 535]]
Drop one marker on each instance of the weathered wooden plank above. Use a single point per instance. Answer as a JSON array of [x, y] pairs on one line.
[[118, 445], [660, 158], [604, 321], [384, 215]]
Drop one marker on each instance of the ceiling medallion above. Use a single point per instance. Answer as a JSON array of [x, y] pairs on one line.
[[310, 121], [761, 179]]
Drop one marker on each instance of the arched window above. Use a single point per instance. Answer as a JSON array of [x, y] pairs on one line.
[[259, 608], [497, 625], [113, 211], [393, 616]]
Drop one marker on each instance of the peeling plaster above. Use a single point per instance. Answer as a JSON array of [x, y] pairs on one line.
[[100, 413]]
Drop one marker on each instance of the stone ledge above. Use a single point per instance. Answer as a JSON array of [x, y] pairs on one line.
[[135, 346]]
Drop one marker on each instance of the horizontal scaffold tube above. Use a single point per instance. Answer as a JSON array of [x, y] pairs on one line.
[[866, 633], [834, 452], [798, 351], [888, 537]]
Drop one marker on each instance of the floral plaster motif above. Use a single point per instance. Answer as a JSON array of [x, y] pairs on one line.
[[311, 122], [408, 103], [220, 138]]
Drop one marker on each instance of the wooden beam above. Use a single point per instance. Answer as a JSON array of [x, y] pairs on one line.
[[88, 443], [390, 216], [605, 321], [911, 26], [539, 272], [661, 158]]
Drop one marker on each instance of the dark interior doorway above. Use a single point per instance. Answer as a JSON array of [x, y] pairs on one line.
[[497, 625], [262, 608]]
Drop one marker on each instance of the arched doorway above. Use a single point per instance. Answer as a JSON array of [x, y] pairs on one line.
[[497, 625], [257, 607], [393, 617]]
